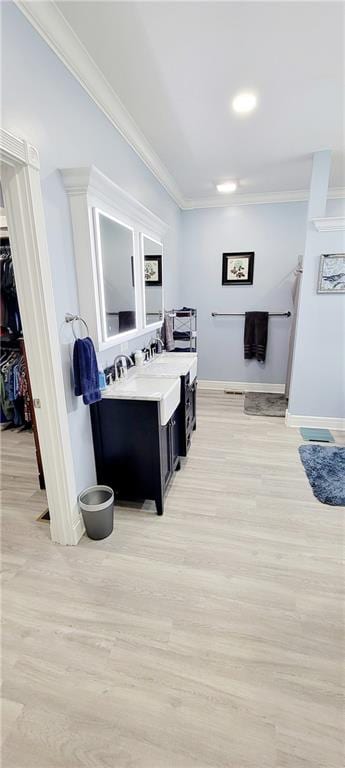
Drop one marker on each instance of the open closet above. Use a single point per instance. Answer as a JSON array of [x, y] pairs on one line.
[[21, 455]]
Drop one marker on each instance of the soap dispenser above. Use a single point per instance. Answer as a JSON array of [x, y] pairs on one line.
[[139, 357]]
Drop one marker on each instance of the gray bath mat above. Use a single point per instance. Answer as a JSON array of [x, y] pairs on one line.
[[264, 404]]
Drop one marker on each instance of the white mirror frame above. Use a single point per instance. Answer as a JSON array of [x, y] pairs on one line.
[[90, 191], [117, 337], [150, 326]]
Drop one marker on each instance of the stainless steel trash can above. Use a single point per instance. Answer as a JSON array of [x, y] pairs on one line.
[[97, 507]]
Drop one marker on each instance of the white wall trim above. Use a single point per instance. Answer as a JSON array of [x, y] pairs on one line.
[[48, 20], [240, 386], [21, 185], [319, 422], [16, 151], [330, 224]]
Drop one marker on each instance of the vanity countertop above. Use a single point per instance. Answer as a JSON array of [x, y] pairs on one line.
[[164, 390], [139, 388]]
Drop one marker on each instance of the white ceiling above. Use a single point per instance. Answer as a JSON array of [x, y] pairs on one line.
[[176, 66]]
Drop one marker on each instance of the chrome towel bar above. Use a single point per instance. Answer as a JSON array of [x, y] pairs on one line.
[[242, 314]]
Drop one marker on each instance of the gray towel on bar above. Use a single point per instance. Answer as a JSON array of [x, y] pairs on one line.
[[255, 336], [169, 331]]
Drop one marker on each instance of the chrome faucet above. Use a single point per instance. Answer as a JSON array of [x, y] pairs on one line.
[[152, 347], [147, 353], [159, 341], [119, 358]]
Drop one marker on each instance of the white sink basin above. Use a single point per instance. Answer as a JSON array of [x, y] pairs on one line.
[[171, 365], [163, 389], [177, 355]]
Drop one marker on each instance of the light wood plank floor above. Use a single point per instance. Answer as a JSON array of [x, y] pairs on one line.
[[209, 638]]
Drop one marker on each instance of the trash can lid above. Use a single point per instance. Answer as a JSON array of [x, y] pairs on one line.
[[96, 498]]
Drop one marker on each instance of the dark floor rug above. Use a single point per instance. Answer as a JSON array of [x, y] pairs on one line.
[[264, 404], [325, 470]]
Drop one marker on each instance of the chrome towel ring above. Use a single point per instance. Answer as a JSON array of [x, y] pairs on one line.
[[71, 319]]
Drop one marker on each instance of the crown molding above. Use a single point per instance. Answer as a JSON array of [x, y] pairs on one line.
[[98, 188], [48, 20], [257, 198], [330, 224]]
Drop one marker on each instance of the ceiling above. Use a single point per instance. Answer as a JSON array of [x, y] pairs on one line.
[[175, 67]]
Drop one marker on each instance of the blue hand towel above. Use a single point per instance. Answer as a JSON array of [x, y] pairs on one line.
[[85, 369]]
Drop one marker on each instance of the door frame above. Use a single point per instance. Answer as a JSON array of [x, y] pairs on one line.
[[21, 186]]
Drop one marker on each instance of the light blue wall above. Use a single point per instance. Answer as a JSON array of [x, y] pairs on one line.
[[318, 380], [42, 102], [276, 233]]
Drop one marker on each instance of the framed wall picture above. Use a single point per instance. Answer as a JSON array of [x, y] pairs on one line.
[[238, 268], [332, 273], [153, 270]]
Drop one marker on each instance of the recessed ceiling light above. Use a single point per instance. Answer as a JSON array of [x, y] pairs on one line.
[[227, 186], [244, 102]]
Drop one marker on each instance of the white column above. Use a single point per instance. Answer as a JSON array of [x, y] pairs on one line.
[[315, 391]]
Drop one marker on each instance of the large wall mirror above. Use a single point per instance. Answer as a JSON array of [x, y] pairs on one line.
[[152, 252], [115, 246]]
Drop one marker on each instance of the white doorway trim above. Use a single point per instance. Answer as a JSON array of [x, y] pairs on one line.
[[20, 180]]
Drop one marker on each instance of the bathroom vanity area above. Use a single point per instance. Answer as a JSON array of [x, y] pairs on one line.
[[143, 426], [144, 422]]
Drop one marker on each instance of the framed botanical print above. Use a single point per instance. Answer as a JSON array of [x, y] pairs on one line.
[[153, 270], [332, 273], [238, 268]]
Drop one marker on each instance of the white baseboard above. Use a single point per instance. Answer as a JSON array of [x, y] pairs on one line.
[[241, 386], [319, 422], [78, 529]]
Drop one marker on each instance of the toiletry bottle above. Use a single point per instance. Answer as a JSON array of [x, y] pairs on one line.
[[101, 378], [139, 357]]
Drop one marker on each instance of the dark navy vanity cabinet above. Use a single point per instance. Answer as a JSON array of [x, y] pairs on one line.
[[134, 453], [186, 414]]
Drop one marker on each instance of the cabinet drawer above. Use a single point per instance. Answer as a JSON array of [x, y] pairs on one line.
[[189, 403], [189, 418], [189, 394], [189, 399]]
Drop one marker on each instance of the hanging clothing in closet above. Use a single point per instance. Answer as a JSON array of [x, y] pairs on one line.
[[10, 322], [14, 391]]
